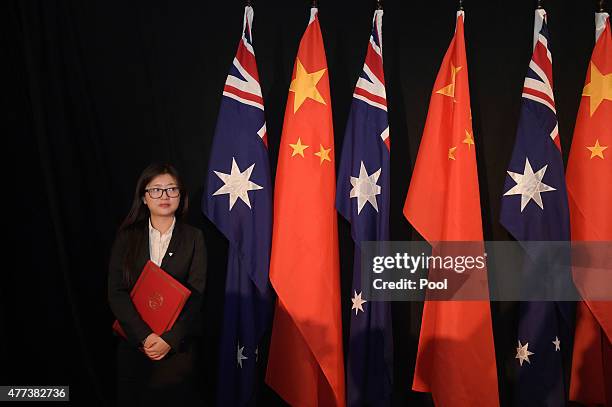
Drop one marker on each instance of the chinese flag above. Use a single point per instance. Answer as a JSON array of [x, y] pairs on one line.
[[456, 356], [589, 187], [305, 365]]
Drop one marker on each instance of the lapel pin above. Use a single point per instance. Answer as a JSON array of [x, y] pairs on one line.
[[170, 254]]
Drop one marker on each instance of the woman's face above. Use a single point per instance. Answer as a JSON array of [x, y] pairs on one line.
[[168, 202]]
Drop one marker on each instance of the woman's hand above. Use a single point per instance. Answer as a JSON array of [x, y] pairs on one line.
[[155, 347]]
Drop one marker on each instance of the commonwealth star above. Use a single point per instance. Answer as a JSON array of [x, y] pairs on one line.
[[529, 185], [365, 188], [237, 184]]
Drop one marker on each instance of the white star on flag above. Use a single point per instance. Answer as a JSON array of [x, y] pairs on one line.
[[365, 188], [522, 353], [237, 184], [557, 344], [358, 303], [240, 356], [529, 185]]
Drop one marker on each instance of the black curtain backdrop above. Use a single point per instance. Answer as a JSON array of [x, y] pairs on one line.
[[96, 90]]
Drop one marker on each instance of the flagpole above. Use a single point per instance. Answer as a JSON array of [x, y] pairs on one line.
[[460, 8], [539, 7], [601, 6], [379, 5]]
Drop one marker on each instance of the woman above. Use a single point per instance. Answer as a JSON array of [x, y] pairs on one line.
[[157, 369]]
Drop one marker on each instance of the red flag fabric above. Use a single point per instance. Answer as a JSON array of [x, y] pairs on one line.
[[456, 355], [305, 365], [589, 181]]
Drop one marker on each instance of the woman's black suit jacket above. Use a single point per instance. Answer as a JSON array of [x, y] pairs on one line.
[[185, 260]]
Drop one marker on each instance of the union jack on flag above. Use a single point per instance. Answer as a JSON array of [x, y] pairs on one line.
[[363, 199], [238, 200], [534, 207], [538, 86]]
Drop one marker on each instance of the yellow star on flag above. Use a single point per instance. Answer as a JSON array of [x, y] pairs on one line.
[[449, 90], [599, 89], [451, 153], [469, 139], [597, 150], [305, 86], [298, 148], [323, 154]]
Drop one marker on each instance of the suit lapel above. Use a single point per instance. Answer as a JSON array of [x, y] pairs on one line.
[[173, 246]]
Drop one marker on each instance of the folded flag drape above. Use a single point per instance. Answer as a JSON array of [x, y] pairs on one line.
[[363, 198], [306, 366], [589, 188], [456, 355], [238, 200], [534, 208]]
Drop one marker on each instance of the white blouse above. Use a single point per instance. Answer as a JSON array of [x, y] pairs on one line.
[[158, 242]]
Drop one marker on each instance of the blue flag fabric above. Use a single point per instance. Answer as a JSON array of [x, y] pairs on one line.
[[534, 207], [238, 200], [363, 199]]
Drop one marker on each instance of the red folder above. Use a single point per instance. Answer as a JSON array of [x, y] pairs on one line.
[[158, 298]]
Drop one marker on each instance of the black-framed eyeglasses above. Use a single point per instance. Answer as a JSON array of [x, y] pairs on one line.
[[157, 193]]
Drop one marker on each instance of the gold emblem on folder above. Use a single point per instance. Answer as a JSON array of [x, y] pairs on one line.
[[155, 301]]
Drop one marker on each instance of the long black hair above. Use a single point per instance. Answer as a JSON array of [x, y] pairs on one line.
[[134, 222]]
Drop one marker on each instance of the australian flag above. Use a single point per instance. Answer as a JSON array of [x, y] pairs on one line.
[[534, 208], [238, 200], [363, 199]]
